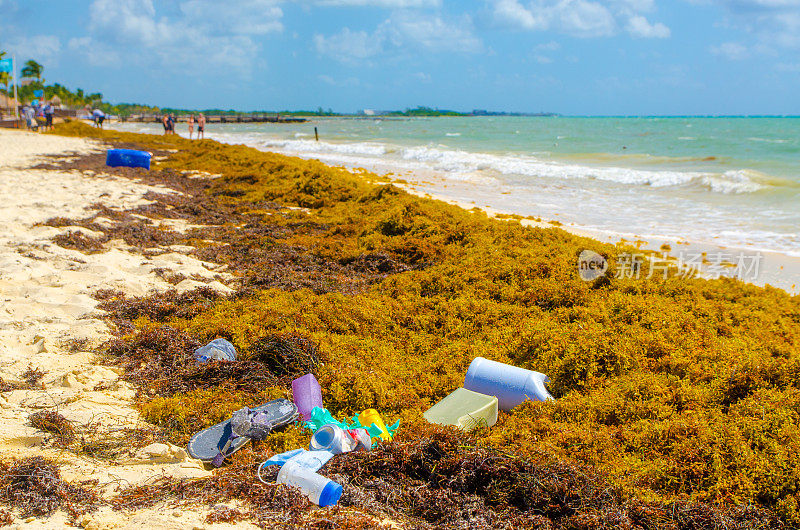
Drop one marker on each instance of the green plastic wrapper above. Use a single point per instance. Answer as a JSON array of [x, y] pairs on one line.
[[320, 417]]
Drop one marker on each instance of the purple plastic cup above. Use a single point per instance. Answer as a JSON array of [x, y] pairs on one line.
[[307, 394]]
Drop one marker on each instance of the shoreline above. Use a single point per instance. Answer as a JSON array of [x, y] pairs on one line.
[[776, 268]]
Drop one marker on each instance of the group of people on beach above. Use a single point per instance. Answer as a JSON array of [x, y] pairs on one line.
[[39, 116], [168, 120]]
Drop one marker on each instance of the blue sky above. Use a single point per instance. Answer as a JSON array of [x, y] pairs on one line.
[[580, 57]]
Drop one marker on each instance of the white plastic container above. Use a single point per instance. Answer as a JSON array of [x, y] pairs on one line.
[[320, 490], [512, 385], [465, 409]]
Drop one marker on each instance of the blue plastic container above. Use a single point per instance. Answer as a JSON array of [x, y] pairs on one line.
[[217, 349], [128, 158], [511, 385]]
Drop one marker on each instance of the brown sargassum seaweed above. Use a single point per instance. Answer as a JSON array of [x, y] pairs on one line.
[[678, 400]]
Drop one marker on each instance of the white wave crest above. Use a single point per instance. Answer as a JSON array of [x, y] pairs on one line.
[[311, 146], [463, 165]]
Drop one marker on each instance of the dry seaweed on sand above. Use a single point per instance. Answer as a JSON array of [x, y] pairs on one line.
[[52, 422], [34, 487], [107, 442], [10, 386], [160, 362], [6, 518], [264, 504], [33, 376]]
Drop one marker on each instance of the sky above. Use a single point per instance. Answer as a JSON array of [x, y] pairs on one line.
[[574, 57]]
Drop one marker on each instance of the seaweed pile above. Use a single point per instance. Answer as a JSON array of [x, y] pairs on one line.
[[34, 487], [52, 422], [678, 399]]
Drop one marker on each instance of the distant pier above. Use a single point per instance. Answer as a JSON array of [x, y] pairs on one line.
[[219, 118]]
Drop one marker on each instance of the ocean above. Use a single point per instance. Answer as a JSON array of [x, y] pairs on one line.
[[726, 181]]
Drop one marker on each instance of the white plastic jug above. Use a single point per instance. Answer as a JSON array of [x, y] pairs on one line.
[[512, 385]]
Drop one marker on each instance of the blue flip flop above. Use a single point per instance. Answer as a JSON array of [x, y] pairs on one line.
[[218, 442]]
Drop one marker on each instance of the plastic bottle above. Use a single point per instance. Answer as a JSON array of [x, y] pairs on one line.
[[320, 490], [371, 416], [512, 385], [312, 460], [307, 394], [217, 349], [333, 438]]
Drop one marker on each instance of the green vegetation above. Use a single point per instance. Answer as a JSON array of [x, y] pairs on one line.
[[32, 69], [675, 390], [425, 111]]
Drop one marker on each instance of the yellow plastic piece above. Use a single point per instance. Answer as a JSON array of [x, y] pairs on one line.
[[370, 416]]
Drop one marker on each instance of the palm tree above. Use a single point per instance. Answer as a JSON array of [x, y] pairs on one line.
[[5, 77], [32, 69]]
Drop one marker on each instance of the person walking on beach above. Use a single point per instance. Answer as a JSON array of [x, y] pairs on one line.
[[99, 117], [29, 114], [171, 124], [191, 125], [201, 125], [48, 116], [165, 123]]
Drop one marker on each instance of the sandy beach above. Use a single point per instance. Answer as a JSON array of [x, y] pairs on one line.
[[49, 322]]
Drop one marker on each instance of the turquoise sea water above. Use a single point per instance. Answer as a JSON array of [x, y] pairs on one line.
[[730, 181]]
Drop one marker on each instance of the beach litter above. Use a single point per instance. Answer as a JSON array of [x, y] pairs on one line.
[[128, 158], [465, 409], [216, 443], [330, 437], [299, 469], [217, 349], [333, 438], [510, 384], [307, 394], [320, 490], [369, 420], [488, 386]]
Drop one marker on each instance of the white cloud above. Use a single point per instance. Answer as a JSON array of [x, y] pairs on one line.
[[402, 31], [580, 18], [394, 4], [201, 36], [97, 53], [39, 47], [348, 82], [585, 19], [432, 33], [512, 13], [551, 46], [638, 26], [245, 17], [349, 46], [776, 23], [730, 50]]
